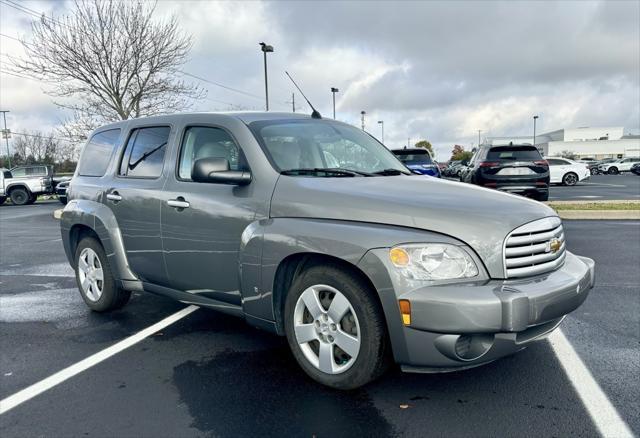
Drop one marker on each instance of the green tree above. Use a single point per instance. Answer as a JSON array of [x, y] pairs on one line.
[[425, 144], [458, 153]]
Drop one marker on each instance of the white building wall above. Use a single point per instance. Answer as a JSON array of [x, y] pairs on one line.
[[586, 134], [595, 149]]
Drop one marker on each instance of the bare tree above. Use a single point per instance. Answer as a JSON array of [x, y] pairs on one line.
[[35, 147], [110, 60]]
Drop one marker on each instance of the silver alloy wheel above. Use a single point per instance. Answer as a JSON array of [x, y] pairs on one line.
[[570, 179], [327, 329], [91, 274]]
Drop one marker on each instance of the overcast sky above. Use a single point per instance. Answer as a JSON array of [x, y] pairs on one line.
[[430, 70]]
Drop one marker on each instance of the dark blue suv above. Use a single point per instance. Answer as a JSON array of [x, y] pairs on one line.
[[418, 160]]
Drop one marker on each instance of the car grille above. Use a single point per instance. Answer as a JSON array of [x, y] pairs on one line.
[[528, 250]]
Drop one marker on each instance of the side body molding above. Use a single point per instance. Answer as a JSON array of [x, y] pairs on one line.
[[278, 238], [101, 220]]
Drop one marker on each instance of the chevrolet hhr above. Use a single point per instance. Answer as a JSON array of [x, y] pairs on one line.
[[312, 229]]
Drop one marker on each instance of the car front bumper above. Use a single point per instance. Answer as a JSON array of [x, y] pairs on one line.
[[461, 325]]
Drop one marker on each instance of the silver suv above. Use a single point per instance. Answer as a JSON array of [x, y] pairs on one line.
[[356, 260]]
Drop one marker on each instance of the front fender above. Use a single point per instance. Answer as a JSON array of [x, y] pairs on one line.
[[280, 238], [100, 219]]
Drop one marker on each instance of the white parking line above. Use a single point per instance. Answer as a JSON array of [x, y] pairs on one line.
[[603, 414], [38, 388]]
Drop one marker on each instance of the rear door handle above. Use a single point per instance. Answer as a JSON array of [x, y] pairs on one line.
[[178, 203], [115, 197]]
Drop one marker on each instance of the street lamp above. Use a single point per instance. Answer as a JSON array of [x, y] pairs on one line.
[[362, 113], [266, 49], [534, 129], [6, 134], [381, 122], [333, 92]]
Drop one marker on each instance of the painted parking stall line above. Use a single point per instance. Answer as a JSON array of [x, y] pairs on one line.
[[603, 414], [38, 388]]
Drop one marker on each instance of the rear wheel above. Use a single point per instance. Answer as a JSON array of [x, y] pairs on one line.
[[613, 171], [570, 179], [95, 280], [20, 196], [335, 328]]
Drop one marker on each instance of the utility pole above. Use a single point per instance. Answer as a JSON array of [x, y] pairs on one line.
[[381, 122], [6, 135], [333, 92], [408, 142], [534, 129], [479, 131], [292, 102], [266, 49], [362, 113]]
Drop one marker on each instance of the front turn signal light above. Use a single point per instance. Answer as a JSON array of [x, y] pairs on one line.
[[405, 311]]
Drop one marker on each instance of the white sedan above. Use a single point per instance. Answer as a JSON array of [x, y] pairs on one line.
[[567, 172]]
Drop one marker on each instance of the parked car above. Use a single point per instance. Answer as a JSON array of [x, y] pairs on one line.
[[442, 165], [621, 165], [61, 191], [516, 169], [418, 160], [636, 169], [24, 184], [567, 172], [452, 169], [357, 266]]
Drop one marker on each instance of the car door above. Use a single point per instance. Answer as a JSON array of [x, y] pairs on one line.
[[203, 223], [135, 198]]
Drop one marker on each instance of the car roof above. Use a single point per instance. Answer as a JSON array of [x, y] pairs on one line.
[[411, 150], [244, 116]]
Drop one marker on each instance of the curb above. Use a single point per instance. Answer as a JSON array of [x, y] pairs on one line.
[[600, 214]]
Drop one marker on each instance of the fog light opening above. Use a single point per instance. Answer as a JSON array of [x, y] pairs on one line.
[[471, 347]]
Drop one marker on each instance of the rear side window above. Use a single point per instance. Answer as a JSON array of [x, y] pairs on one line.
[[97, 153], [204, 142], [144, 155], [514, 153]]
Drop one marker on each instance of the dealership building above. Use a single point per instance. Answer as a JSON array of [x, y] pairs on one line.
[[598, 143]]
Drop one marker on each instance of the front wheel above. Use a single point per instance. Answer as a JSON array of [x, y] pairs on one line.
[[335, 327], [20, 196], [95, 280], [613, 171]]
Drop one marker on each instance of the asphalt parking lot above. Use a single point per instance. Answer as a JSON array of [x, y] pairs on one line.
[[211, 375], [598, 187]]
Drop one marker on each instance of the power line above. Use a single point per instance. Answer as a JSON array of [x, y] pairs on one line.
[[31, 12], [220, 85]]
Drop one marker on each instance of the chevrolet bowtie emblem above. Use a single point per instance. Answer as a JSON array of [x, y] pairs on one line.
[[554, 245]]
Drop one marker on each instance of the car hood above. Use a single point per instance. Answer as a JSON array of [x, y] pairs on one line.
[[479, 217]]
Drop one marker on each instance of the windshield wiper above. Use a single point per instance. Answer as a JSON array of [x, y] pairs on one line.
[[319, 171], [145, 156], [390, 172]]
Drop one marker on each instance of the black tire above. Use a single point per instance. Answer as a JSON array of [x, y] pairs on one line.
[[112, 296], [32, 199], [570, 179], [2, 199], [20, 196], [593, 171], [374, 355], [542, 197], [613, 171]]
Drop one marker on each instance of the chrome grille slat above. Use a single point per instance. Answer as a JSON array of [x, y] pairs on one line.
[[527, 248]]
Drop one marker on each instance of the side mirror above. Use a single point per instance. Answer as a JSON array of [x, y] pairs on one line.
[[216, 170]]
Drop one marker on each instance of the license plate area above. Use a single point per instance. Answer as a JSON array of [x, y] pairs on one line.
[[516, 171]]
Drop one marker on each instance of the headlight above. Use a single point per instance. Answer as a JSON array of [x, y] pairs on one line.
[[433, 261]]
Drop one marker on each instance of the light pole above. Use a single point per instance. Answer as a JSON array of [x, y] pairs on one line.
[[6, 136], [381, 122], [333, 92], [534, 129], [362, 113], [479, 131], [266, 49]]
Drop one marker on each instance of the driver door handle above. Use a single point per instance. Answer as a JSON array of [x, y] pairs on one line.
[[115, 197], [178, 203]]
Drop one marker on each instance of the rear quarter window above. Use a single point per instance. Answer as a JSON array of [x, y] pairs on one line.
[[97, 153], [144, 155]]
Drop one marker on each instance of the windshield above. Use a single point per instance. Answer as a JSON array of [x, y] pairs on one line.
[[413, 157], [512, 153], [322, 144]]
